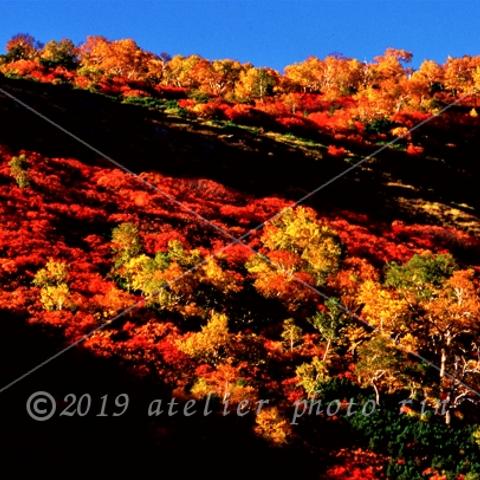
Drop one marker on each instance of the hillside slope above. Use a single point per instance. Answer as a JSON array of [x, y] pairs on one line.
[[81, 213]]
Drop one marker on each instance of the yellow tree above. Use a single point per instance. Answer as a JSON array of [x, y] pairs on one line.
[[228, 72], [429, 307], [61, 53], [123, 58], [384, 90], [460, 74], [52, 280], [340, 76], [424, 83], [453, 319], [306, 75], [381, 366], [291, 333], [298, 249], [210, 342], [178, 71], [256, 83], [389, 66]]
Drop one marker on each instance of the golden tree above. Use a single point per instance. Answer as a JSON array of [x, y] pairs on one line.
[[54, 290], [298, 250], [210, 342], [119, 58]]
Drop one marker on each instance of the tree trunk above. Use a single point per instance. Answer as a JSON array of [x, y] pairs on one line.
[[443, 362], [327, 348], [448, 416], [377, 394], [443, 388]]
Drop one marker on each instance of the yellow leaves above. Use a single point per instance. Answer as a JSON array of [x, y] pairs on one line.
[[400, 132], [179, 71], [219, 278], [255, 83], [409, 343], [125, 242], [424, 306], [134, 270], [122, 58], [429, 73], [312, 375], [380, 363], [333, 76], [476, 82], [54, 291], [55, 297], [292, 230], [173, 279], [382, 308], [19, 170], [299, 231], [323, 257], [462, 74], [302, 252], [60, 53], [209, 342], [113, 301], [456, 308], [53, 273], [291, 333], [272, 426], [305, 74], [476, 436]]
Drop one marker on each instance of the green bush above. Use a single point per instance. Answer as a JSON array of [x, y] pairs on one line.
[[379, 125], [420, 271], [419, 444]]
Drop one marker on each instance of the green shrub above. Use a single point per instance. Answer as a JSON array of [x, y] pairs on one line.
[[420, 271]]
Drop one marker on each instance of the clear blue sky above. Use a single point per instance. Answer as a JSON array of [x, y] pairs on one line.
[[265, 32]]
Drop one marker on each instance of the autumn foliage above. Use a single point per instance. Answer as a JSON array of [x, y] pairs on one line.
[[313, 300]]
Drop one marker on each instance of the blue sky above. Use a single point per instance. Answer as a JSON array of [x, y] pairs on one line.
[[265, 32]]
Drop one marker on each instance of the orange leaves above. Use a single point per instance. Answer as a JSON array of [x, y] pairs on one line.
[[21, 47], [382, 308], [356, 465], [225, 381], [336, 93], [300, 251], [354, 272], [117, 58], [276, 279], [272, 426], [414, 150], [23, 68], [333, 76], [335, 151], [112, 302], [456, 309]]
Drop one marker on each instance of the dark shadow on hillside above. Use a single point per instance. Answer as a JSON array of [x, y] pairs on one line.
[[195, 446], [143, 139]]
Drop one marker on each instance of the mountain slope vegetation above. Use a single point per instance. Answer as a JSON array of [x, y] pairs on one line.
[[366, 292]]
